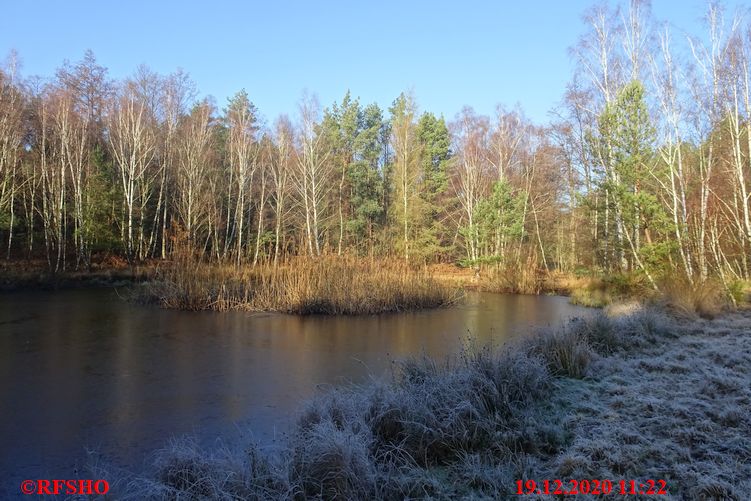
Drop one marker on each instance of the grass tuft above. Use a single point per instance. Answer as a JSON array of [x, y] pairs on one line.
[[566, 352], [332, 461], [705, 299]]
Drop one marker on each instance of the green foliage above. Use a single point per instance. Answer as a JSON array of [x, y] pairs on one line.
[[238, 108], [499, 215], [482, 260], [435, 140], [626, 127], [4, 220], [355, 135], [655, 256], [103, 205], [366, 193], [737, 291], [365, 175], [625, 284], [603, 290], [406, 206], [626, 147]]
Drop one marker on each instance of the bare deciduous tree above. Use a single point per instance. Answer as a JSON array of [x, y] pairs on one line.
[[312, 177], [133, 144]]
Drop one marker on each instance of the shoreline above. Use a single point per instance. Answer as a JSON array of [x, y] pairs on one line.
[[23, 274], [639, 396], [349, 285], [44, 280]]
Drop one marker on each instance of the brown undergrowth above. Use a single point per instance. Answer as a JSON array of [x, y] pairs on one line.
[[104, 271]]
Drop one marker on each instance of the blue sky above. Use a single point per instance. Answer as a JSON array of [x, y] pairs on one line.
[[450, 53]]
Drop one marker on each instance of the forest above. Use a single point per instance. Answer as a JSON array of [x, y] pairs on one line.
[[642, 171]]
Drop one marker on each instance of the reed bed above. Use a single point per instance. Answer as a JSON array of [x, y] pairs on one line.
[[516, 278], [330, 285]]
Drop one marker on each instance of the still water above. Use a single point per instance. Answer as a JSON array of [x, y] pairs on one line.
[[85, 370]]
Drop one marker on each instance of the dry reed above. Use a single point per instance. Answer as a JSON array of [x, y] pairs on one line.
[[516, 278], [703, 298], [328, 285]]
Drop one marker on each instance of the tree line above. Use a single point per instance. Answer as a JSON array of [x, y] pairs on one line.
[[644, 166]]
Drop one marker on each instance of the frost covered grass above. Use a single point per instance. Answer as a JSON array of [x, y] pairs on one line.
[[634, 397], [677, 409]]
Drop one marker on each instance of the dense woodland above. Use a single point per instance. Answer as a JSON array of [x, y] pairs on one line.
[[644, 167]]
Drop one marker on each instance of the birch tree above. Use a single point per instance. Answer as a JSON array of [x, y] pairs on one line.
[[737, 110], [133, 145], [53, 184], [666, 77], [243, 152], [71, 136], [506, 140], [705, 92], [265, 154], [11, 137], [177, 91], [194, 163], [282, 162], [313, 174], [597, 57], [405, 175], [471, 170]]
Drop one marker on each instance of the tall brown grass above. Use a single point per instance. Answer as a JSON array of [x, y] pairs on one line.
[[705, 298], [333, 285], [516, 278], [601, 291]]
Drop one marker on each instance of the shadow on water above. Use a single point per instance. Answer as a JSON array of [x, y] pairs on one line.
[[84, 369]]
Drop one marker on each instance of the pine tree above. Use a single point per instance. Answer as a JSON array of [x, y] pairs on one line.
[[626, 129], [435, 139]]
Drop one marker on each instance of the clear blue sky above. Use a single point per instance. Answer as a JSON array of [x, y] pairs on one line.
[[450, 53]]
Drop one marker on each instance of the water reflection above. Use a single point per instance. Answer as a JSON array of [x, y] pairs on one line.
[[85, 369]]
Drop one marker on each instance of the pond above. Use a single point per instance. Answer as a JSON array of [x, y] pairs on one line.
[[85, 370]]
